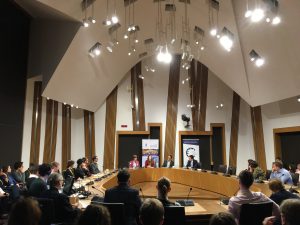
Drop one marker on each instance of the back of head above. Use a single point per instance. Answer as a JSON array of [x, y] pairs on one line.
[[94, 215], [246, 178], [17, 165], [79, 162], [33, 169], [25, 211], [70, 163], [54, 179], [163, 184], [222, 218], [276, 185], [123, 176], [253, 164], [44, 169], [54, 164], [290, 209], [152, 212]]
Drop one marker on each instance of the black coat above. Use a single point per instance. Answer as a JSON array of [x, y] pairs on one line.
[[68, 173], [166, 163], [79, 173], [196, 165], [282, 195]]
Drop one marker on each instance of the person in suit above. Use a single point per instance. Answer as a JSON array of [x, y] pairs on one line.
[[122, 193], [93, 167], [149, 163], [192, 163], [134, 163], [18, 175], [169, 162], [64, 212], [69, 172], [163, 188], [79, 173], [39, 185], [152, 212], [33, 174]]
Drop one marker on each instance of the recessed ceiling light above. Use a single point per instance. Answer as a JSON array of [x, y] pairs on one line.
[[257, 15]]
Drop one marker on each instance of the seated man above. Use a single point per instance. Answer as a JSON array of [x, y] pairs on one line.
[[169, 163], [93, 167], [18, 174], [127, 195], [193, 163], [39, 185], [152, 212], [244, 196], [280, 173]]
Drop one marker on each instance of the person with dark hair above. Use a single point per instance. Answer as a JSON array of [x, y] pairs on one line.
[[280, 173], [84, 166], [122, 193], [279, 194], [40, 184], [25, 211], [249, 162], [152, 212], [95, 215], [79, 173], [69, 172], [27, 172], [222, 218], [6, 177], [244, 195], [18, 174], [258, 174], [192, 163], [134, 163], [169, 163], [33, 174], [55, 167], [149, 163], [93, 167], [163, 188]]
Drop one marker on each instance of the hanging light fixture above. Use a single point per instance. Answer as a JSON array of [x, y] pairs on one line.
[[226, 39], [107, 21], [95, 50], [114, 18], [85, 21], [213, 12]]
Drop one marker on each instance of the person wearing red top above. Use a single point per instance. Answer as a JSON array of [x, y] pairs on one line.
[[149, 163], [134, 163]]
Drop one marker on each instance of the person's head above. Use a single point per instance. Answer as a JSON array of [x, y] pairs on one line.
[[6, 169], [33, 169], [245, 179], [275, 185], [18, 166], [290, 209], [55, 166], [276, 166], [149, 158], [79, 163], [134, 157], [44, 170], [253, 164], [94, 215], [163, 186], [85, 160], [222, 218], [56, 180], [70, 164], [123, 176], [191, 157], [170, 157], [25, 211], [152, 212], [95, 159]]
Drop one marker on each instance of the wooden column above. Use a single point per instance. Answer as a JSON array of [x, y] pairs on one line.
[[89, 134], [258, 137], [110, 129], [51, 131], [137, 98], [36, 123], [66, 135], [172, 106], [234, 129]]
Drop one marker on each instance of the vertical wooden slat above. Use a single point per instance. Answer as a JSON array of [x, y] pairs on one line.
[[54, 130], [234, 130], [172, 106], [89, 134], [258, 137], [110, 130], [66, 134], [36, 123], [203, 94]]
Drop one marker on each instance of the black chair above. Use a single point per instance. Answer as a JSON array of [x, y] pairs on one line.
[[255, 213], [231, 170], [48, 213], [295, 178], [268, 174], [222, 168], [116, 210], [174, 215]]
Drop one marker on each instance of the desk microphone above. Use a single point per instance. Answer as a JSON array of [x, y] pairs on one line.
[[97, 189], [186, 202], [141, 190], [189, 193]]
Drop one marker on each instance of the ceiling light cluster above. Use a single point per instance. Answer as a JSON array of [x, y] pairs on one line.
[[220, 106], [72, 105], [87, 20], [214, 17], [95, 50], [256, 58], [226, 39], [111, 20], [164, 55]]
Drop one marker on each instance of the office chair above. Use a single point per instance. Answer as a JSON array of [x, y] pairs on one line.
[[222, 168], [116, 210], [174, 215], [255, 213]]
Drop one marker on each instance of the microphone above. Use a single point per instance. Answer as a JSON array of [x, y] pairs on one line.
[[97, 189], [189, 193], [141, 190], [186, 202]]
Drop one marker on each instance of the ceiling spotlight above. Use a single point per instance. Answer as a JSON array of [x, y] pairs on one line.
[[218, 36], [107, 22], [85, 23], [248, 13], [221, 105], [129, 29], [268, 20], [257, 15], [141, 77], [259, 62], [48, 98], [217, 106], [256, 58], [109, 49], [129, 53], [136, 41], [202, 48], [125, 36], [173, 41], [183, 81], [77, 107], [213, 32], [114, 19], [72, 105], [65, 103], [133, 28], [164, 57], [134, 49], [92, 20], [276, 20], [95, 50], [197, 42], [298, 99], [226, 39]]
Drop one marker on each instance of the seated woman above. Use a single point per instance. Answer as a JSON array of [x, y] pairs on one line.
[[6, 177], [149, 163], [69, 172], [94, 215], [134, 163], [279, 194], [163, 188]]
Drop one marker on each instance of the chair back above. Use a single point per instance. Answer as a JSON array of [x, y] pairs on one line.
[[116, 210], [174, 215], [222, 168], [47, 208], [295, 178], [268, 174], [231, 170], [255, 213]]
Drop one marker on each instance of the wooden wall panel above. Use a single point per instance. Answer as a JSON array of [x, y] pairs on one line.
[[66, 135], [89, 134], [258, 137], [110, 130], [36, 123], [51, 131], [172, 106], [137, 98], [203, 94], [234, 130]]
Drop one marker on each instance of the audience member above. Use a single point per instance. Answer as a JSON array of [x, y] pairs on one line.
[[279, 194], [122, 193], [249, 162], [6, 177], [169, 163], [193, 163], [258, 174], [149, 163], [69, 172], [152, 212], [298, 168], [94, 215], [64, 212], [93, 167], [85, 166], [27, 172], [25, 211], [222, 218], [280, 173], [278, 159], [134, 163], [33, 174], [55, 167], [79, 173], [244, 195], [163, 188], [18, 174], [39, 184]]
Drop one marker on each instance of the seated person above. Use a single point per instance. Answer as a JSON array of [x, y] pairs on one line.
[[163, 188], [244, 195], [123, 193], [149, 163], [169, 163], [280, 173], [249, 162], [258, 174], [134, 163], [27, 172], [55, 167], [93, 167], [64, 212], [69, 172], [18, 174], [85, 165], [222, 218], [94, 215], [192, 163], [39, 185], [33, 174], [279, 194], [152, 212], [79, 173], [6, 177]]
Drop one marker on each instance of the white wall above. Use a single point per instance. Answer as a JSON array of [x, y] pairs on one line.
[[100, 133]]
